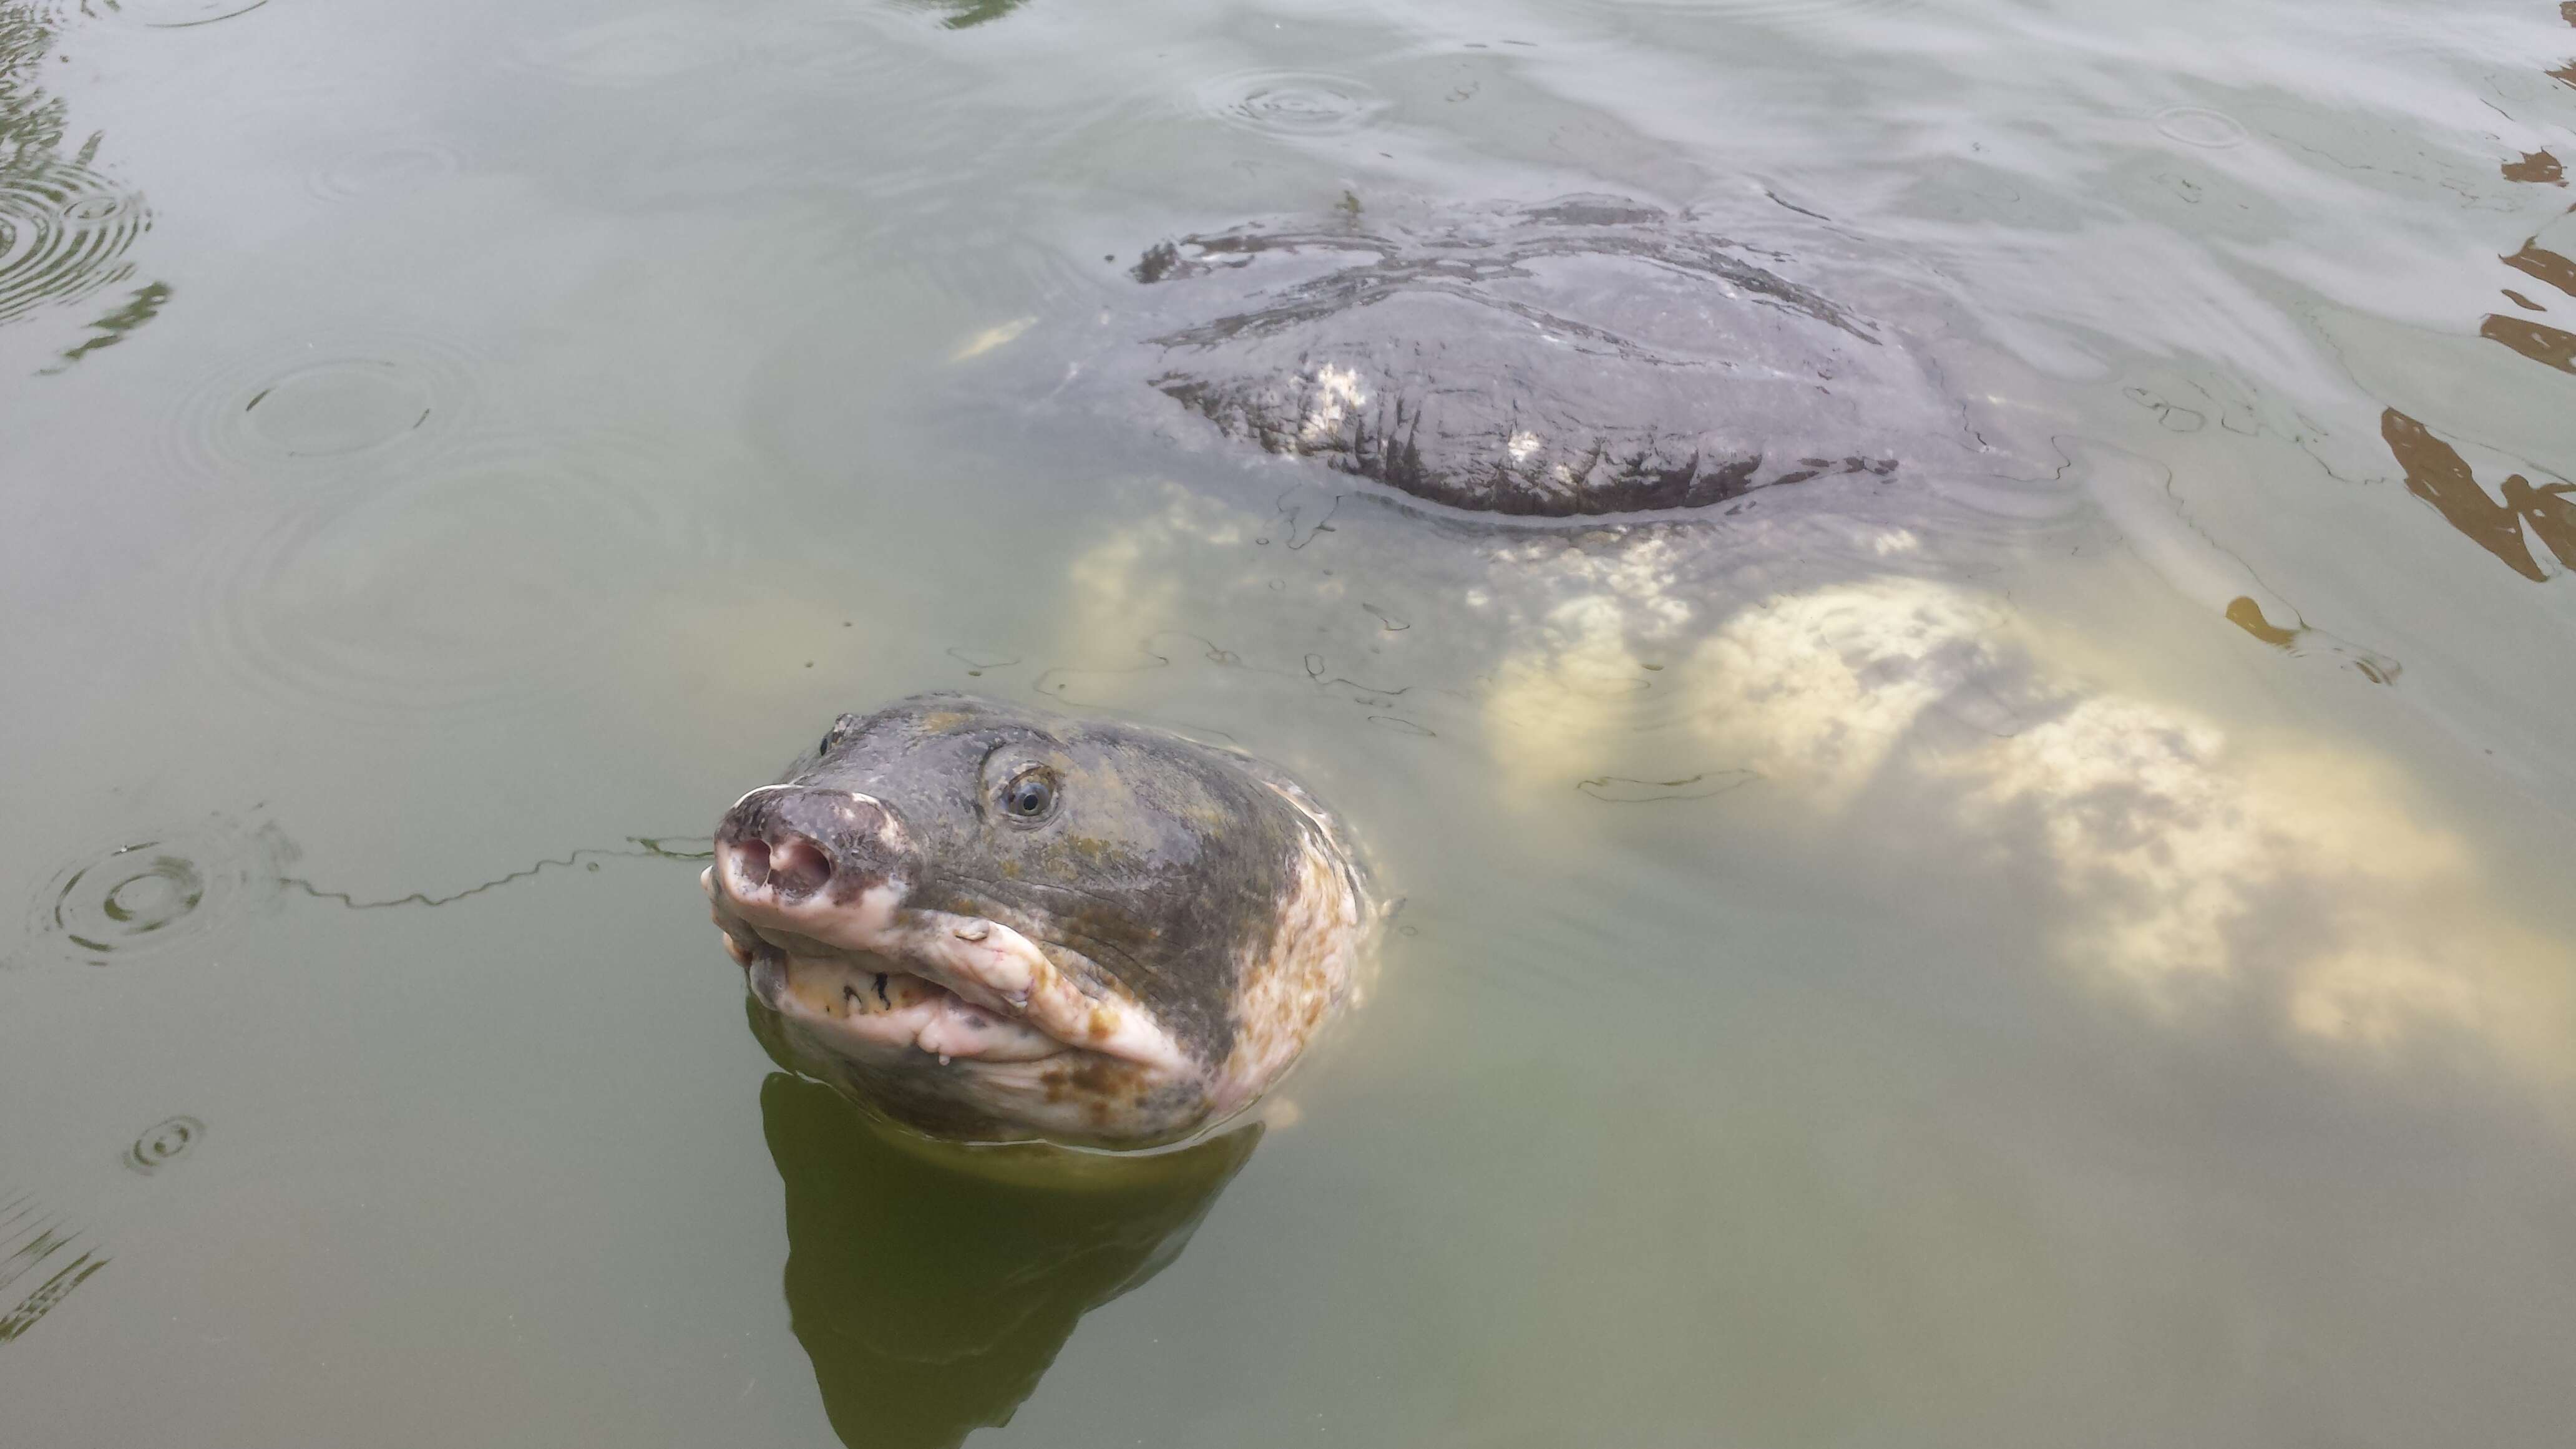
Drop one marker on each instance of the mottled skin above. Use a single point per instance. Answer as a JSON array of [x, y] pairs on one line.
[[1108, 971], [1587, 355]]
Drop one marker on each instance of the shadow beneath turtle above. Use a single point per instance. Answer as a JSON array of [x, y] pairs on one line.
[[932, 1285]]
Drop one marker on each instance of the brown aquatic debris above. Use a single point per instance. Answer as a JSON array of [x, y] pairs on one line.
[[2549, 512], [2436, 473], [2548, 266], [2247, 615], [2541, 343], [2536, 166]]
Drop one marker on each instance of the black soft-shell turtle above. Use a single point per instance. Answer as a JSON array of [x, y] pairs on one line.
[[1586, 355]]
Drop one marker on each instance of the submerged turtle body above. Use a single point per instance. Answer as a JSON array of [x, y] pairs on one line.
[[1587, 355]]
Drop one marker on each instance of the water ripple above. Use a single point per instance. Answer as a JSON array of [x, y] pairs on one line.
[[163, 1143], [1291, 102], [44, 1250], [153, 890], [383, 171], [317, 407], [498, 573], [169, 14], [64, 232], [2200, 126], [637, 50], [1785, 12]]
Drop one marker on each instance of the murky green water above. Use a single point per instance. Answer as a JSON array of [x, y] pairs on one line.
[[2079, 953]]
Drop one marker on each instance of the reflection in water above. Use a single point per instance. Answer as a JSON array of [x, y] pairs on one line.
[[2436, 473], [1821, 669], [963, 14], [63, 233], [44, 1255], [64, 228], [2190, 867], [111, 329], [932, 1296], [45, 1262]]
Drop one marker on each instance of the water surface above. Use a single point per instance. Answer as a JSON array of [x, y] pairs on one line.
[[2069, 950]]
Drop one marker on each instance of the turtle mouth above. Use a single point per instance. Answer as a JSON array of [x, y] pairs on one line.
[[873, 1003], [893, 983]]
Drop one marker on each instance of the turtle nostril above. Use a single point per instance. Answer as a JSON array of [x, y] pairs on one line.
[[750, 865], [799, 866]]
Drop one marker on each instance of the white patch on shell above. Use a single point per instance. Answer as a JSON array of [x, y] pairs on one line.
[[1521, 445]]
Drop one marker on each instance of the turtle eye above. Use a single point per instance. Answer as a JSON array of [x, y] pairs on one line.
[[840, 730], [1031, 795]]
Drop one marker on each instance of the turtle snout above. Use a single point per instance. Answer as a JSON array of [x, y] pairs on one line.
[[798, 841], [798, 867]]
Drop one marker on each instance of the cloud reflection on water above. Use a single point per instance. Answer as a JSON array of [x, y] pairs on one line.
[[2207, 869], [2195, 867]]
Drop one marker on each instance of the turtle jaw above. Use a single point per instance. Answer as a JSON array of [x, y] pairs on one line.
[[959, 1023]]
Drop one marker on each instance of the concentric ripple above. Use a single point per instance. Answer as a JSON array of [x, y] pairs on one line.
[[497, 573], [637, 49], [331, 408], [163, 1143], [42, 1248], [150, 892], [383, 171], [64, 232], [170, 14], [1291, 103], [326, 407], [2200, 126], [1784, 14]]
